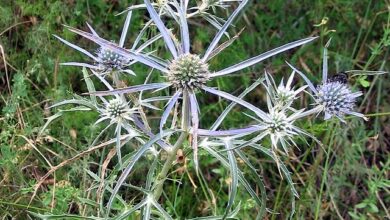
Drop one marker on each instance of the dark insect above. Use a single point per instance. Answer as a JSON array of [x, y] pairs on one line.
[[340, 77]]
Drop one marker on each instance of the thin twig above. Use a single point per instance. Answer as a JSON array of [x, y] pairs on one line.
[[6, 70], [110, 155], [14, 25]]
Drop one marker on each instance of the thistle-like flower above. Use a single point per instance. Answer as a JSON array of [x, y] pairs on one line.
[[109, 61], [277, 124], [117, 110], [185, 71], [282, 95], [333, 96], [337, 99], [105, 60], [280, 127], [188, 72]]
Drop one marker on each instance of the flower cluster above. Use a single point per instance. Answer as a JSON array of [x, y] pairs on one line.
[[185, 75]]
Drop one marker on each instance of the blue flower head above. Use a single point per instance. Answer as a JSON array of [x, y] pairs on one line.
[[333, 97]]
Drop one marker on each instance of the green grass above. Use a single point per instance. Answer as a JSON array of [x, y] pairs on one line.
[[346, 178]]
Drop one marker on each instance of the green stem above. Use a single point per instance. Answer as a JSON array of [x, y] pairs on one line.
[[324, 177], [22, 206], [172, 153]]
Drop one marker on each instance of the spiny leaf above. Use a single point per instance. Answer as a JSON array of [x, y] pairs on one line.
[[90, 85], [130, 166]]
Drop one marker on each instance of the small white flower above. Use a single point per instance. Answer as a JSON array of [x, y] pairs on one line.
[[282, 95], [277, 124], [281, 128], [117, 109]]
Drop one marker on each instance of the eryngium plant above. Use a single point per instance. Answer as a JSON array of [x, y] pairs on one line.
[[273, 131]]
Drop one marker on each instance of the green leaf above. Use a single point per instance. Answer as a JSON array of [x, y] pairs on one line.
[[353, 215], [90, 85], [241, 177], [134, 159], [361, 205], [50, 120], [363, 81], [126, 213], [259, 182], [147, 210], [118, 145], [233, 175], [373, 208]]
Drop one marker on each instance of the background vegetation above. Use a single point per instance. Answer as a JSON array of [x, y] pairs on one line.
[[347, 178]]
